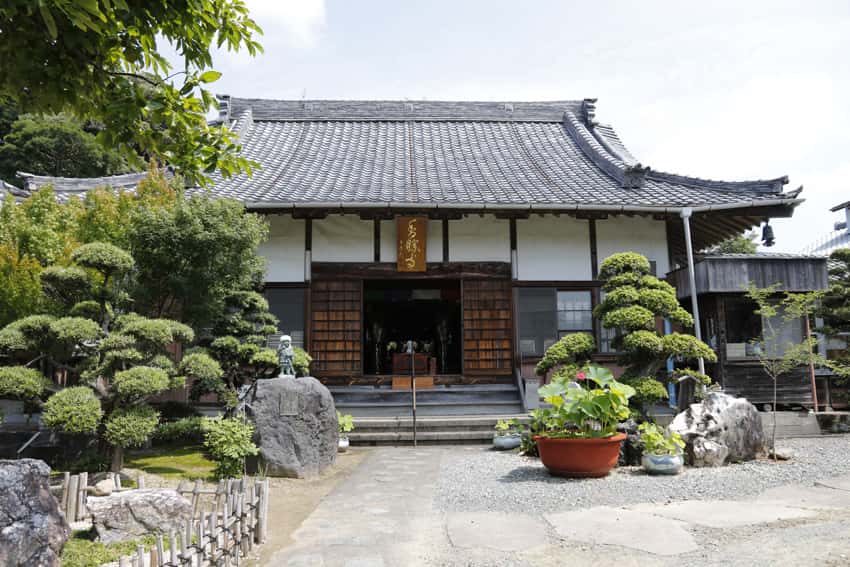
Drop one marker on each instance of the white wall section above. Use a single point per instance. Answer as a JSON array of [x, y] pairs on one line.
[[553, 248], [284, 250], [479, 239], [643, 235], [339, 238]]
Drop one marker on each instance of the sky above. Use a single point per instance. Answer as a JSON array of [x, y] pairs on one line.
[[723, 90]]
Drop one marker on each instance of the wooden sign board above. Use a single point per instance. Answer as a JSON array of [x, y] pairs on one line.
[[412, 235]]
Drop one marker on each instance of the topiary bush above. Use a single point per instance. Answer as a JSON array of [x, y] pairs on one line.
[[568, 355], [130, 426], [228, 442], [73, 410], [22, 383], [302, 362], [634, 301]]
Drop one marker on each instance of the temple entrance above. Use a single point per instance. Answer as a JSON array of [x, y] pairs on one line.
[[427, 312]]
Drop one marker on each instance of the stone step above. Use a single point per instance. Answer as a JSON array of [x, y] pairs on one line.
[[432, 429], [429, 410]]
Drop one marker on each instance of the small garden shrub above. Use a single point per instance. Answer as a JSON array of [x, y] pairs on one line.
[[131, 427], [302, 362], [229, 441], [187, 430]]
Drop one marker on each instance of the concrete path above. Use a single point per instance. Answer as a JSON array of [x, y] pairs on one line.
[[383, 515]]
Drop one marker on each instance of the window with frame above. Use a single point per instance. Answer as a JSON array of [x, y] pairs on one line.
[[287, 304], [575, 312]]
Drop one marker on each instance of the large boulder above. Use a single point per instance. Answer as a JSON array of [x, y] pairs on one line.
[[296, 425], [721, 429], [32, 528], [128, 515]]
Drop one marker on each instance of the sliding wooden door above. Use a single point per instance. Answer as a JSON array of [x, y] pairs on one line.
[[335, 317], [487, 327]]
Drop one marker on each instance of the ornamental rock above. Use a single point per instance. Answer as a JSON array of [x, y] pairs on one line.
[[32, 529], [721, 429]]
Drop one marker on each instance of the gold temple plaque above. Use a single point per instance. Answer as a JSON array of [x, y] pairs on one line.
[[412, 234]]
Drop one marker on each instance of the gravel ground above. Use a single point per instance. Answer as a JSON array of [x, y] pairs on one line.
[[474, 479]]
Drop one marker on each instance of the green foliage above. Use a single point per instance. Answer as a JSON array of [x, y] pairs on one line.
[[302, 362], [228, 441], [22, 383], [73, 410], [506, 427], [83, 550], [704, 379], [658, 441], [174, 461], [346, 422], [103, 257], [648, 392], [74, 330], [139, 382], [102, 60], [154, 334], [570, 350], [835, 311], [55, 145], [623, 263], [191, 257], [592, 410], [185, 430], [634, 301], [131, 426], [741, 244]]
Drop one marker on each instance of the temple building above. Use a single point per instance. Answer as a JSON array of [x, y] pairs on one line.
[[474, 229]]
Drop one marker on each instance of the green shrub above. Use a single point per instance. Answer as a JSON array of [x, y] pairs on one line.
[[139, 382], [22, 383], [75, 329], [687, 347], [631, 318], [346, 422], [185, 430], [131, 426], [73, 410], [301, 362], [624, 262], [200, 366], [229, 441], [569, 350], [103, 257], [648, 391], [660, 441]]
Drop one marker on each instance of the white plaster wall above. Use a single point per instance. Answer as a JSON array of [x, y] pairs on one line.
[[339, 238], [479, 239], [284, 250], [643, 235], [553, 248], [433, 246]]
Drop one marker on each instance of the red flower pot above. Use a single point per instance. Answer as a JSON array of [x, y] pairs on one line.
[[584, 457]]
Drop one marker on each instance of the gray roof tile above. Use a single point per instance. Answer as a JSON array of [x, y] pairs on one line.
[[460, 154]]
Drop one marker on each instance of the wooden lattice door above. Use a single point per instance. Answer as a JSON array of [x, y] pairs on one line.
[[335, 328], [487, 327]]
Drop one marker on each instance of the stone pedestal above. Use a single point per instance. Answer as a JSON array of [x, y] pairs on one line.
[[296, 426]]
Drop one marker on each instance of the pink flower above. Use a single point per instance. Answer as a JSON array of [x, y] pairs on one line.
[[581, 376]]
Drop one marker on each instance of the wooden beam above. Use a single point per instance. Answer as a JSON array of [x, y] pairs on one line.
[[594, 254], [387, 270], [445, 240]]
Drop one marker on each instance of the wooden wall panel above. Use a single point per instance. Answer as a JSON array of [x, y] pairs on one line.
[[335, 319], [487, 327]]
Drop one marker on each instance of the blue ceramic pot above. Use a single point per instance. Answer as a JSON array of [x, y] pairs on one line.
[[506, 442], [663, 464]]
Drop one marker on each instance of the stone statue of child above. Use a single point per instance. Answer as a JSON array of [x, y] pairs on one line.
[[286, 356]]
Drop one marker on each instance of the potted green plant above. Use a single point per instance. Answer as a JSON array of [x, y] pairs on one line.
[[346, 426], [662, 449], [508, 434], [577, 433]]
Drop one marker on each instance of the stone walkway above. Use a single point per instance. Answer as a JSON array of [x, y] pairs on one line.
[[383, 515]]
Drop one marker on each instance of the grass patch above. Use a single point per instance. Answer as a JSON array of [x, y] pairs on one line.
[[188, 462], [81, 549]]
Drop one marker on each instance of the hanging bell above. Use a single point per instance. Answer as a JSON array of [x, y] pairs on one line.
[[767, 237]]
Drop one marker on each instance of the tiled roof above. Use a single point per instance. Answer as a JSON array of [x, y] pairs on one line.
[[456, 155], [67, 187]]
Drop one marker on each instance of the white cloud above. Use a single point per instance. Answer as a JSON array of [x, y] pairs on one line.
[[300, 23]]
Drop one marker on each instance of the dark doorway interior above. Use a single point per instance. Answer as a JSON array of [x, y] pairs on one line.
[[428, 312]]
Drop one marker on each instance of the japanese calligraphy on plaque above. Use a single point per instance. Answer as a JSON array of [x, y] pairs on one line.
[[412, 237]]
